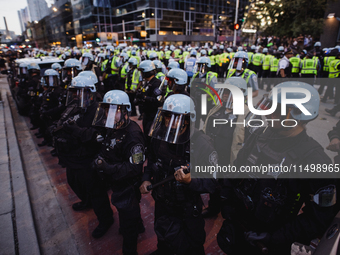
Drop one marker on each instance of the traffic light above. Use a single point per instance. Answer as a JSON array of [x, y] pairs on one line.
[[240, 18], [237, 26]]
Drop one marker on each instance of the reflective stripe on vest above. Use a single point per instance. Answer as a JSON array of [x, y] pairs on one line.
[[250, 54], [309, 66], [167, 54], [266, 62], [123, 71], [326, 62], [274, 64], [134, 80], [159, 75], [113, 65], [245, 72], [212, 60], [257, 59], [295, 61], [333, 68], [208, 78]]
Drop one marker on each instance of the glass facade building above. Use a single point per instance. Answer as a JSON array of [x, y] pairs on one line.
[[148, 21]]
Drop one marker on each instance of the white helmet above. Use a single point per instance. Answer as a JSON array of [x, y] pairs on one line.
[[179, 75], [240, 65], [89, 74], [83, 82], [147, 66], [172, 122], [113, 111], [117, 97], [51, 78], [237, 82]]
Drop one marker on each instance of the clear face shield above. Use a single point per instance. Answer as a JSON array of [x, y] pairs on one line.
[[69, 73], [237, 63], [85, 61], [111, 116], [202, 69], [273, 120], [22, 72], [171, 127], [51, 81], [82, 97]]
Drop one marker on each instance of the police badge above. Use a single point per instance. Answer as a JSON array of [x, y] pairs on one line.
[[137, 154]]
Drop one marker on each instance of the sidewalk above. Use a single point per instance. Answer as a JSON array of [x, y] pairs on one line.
[[18, 235]]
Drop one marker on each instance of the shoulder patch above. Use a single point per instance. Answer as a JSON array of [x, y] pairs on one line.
[[137, 154], [213, 158]]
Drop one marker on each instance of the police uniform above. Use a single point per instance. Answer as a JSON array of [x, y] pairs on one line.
[[77, 147], [132, 80], [50, 101], [178, 221], [123, 151], [270, 206], [286, 65], [112, 75], [150, 103]]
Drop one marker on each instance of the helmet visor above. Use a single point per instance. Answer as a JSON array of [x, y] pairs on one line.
[[171, 127], [111, 116], [69, 73], [237, 63], [80, 96], [84, 61], [22, 71], [51, 81]]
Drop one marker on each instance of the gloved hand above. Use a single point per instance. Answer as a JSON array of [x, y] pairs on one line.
[[70, 126], [101, 165], [253, 237]]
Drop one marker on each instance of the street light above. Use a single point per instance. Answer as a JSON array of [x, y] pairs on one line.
[[331, 15], [54, 9]]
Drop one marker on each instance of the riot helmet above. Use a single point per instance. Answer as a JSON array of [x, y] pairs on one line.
[[172, 122], [113, 111]]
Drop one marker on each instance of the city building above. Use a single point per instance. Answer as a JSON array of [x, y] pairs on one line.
[[37, 9], [24, 17], [141, 22]]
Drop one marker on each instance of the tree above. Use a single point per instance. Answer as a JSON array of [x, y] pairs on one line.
[[288, 17]]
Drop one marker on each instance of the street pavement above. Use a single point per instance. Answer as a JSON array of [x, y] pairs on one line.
[[35, 206]]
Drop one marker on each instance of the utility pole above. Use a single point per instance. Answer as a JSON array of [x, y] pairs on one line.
[[123, 24], [236, 14]]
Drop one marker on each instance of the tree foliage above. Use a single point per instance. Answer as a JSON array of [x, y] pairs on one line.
[[288, 17]]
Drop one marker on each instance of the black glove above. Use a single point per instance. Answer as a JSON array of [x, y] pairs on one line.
[[70, 126], [253, 237], [101, 165]]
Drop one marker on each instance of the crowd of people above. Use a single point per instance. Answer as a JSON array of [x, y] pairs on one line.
[[82, 106]]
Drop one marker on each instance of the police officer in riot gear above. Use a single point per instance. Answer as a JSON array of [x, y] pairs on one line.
[[149, 93], [87, 60], [112, 69], [133, 78], [50, 100], [226, 139], [120, 163], [198, 83], [261, 211], [239, 67], [179, 225], [34, 91], [77, 147], [177, 80]]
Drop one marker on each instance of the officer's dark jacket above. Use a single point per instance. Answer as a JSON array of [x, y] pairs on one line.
[[78, 148], [281, 218], [51, 102], [335, 132], [151, 103], [123, 149], [165, 157]]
